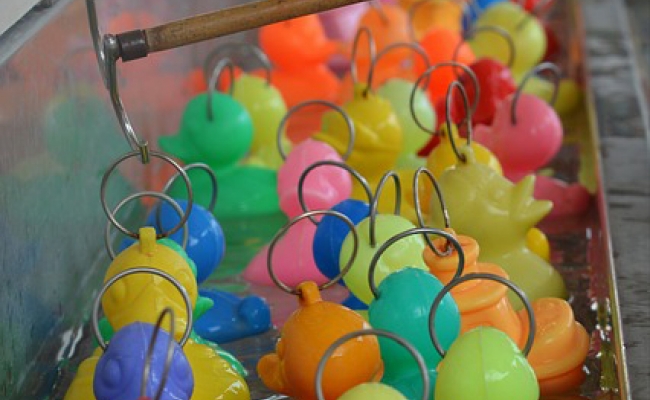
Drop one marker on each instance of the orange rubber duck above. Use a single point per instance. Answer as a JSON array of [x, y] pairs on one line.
[[305, 337], [561, 344], [299, 51]]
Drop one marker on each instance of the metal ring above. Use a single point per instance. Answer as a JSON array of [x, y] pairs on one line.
[[329, 104], [226, 47], [224, 63], [98, 42], [545, 66], [374, 203], [414, 231], [425, 74], [352, 171], [285, 229], [372, 49], [118, 207], [417, 49], [494, 29], [418, 208], [140, 270], [111, 51], [320, 371], [468, 117], [164, 157], [456, 281], [213, 178], [168, 360]]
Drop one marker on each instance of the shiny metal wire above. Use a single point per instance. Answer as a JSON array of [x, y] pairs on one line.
[[457, 281], [285, 229], [346, 117], [320, 371], [140, 270], [118, 207], [415, 231]]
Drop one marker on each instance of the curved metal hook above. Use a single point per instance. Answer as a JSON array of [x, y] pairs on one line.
[[168, 358], [352, 171], [374, 204], [545, 66], [285, 229], [213, 179], [227, 47], [372, 50], [297, 107], [468, 117], [426, 74], [455, 282], [417, 49], [164, 157], [140, 270], [118, 207], [418, 208], [414, 231], [320, 371], [224, 63]]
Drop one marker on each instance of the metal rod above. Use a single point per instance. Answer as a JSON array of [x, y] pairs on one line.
[[219, 23]]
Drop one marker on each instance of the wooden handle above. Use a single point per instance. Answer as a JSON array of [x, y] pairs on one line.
[[236, 19]]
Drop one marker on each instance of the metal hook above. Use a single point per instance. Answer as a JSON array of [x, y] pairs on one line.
[[470, 34], [320, 371], [414, 231], [374, 204], [372, 50], [297, 107], [418, 208], [285, 229], [97, 38], [455, 282], [168, 359], [468, 117], [164, 157], [214, 80], [118, 207], [545, 66], [417, 49], [352, 171], [140, 270], [142, 146], [426, 74], [259, 54]]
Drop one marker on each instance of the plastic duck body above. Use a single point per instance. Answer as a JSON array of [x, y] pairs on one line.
[[222, 142], [119, 371], [306, 335], [142, 297], [406, 252], [481, 302], [214, 377], [232, 318], [405, 298], [498, 215], [484, 364], [529, 39], [266, 108]]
